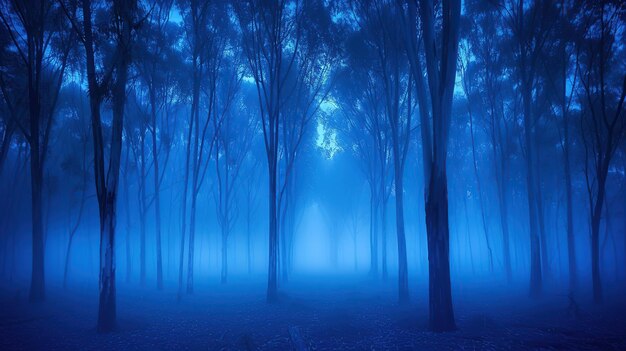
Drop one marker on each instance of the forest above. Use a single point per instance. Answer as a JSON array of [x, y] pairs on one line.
[[313, 174]]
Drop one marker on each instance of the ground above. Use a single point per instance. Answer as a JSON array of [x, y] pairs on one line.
[[339, 313]]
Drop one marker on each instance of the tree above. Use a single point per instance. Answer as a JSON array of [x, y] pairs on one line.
[[45, 41], [488, 76], [440, 52], [604, 120], [109, 74], [76, 165], [233, 140], [205, 24], [156, 62], [267, 28], [308, 85]]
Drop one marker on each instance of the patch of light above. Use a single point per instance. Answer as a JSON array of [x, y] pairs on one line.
[[248, 79], [326, 140]]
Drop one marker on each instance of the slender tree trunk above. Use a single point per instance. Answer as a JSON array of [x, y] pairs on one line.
[[67, 260], [157, 201], [403, 279], [194, 177], [184, 203], [535, 258], [383, 238], [127, 210], [469, 239], [271, 278], [480, 193], [248, 202], [545, 256], [142, 212], [571, 242], [596, 218], [192, 234], [283, 237], [373, 236], [224, 273], [504, 217]]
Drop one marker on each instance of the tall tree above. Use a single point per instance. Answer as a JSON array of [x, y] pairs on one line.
[[440, 54], [106, 74], [156, 68], [43, 52], [604, 120], [267, 28]]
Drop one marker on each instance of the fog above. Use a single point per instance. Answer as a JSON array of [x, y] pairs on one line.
[[312, 174]]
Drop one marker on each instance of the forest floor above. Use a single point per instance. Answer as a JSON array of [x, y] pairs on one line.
[[346, 314]]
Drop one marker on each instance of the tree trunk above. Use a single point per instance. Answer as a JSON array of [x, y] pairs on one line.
[[383, 237], [440, 295], [192, 234], [224, 256], [67, 260], [571, 242], [37, 290], [504, 218], [142, 213], [157, 207], [106, 307], [403, 279], [535, 258], [248, 210], [480, 193], [545, 255], [373, 236], [595, 258], [127, 210], [596, 217], [272, 292]]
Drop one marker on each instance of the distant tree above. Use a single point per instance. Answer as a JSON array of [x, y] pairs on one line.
[[487, 80], [363, 126], [529, 27], [75, 164], [235, 130], [307, 85], [156, 63], [205, 25], [470, 96]]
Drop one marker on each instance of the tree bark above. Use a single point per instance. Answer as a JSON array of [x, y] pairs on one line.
[[440, 294]]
